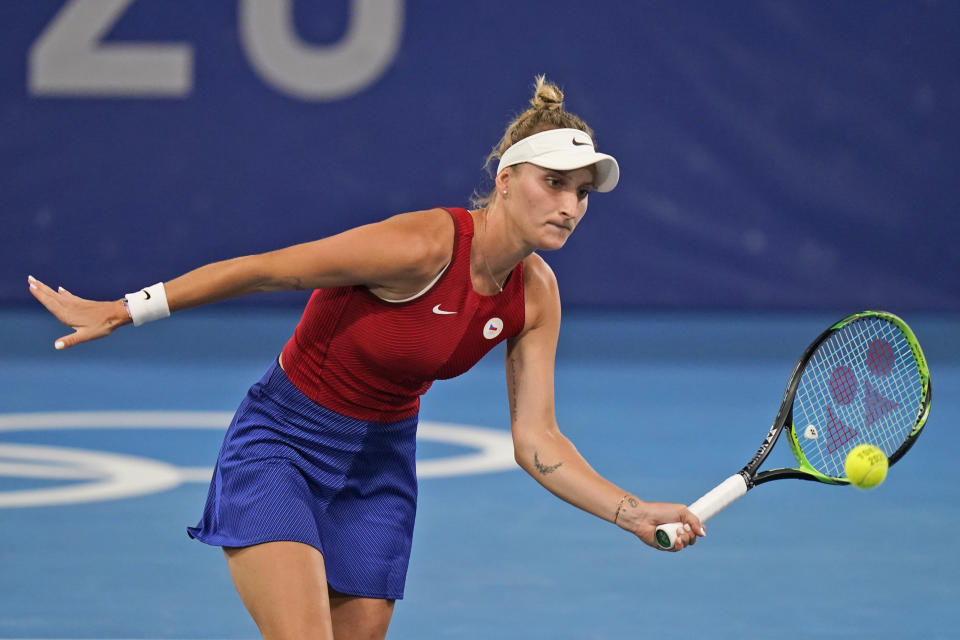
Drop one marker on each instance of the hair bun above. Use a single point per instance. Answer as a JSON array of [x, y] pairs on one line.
[[546, 112], [546, 96]]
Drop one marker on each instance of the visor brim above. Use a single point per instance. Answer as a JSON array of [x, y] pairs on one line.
[[608, 171]]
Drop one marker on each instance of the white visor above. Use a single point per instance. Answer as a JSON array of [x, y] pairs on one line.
[[563, 150]]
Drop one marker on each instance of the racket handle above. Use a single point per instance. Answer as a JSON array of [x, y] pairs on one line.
[[718, 499]]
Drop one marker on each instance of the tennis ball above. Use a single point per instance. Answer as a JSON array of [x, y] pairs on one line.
[[866, 466]]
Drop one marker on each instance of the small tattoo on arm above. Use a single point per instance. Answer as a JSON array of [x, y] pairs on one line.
[[285, 283], [513, 385], [543, 468]]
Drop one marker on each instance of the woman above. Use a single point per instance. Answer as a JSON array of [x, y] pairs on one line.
[[314, 492]]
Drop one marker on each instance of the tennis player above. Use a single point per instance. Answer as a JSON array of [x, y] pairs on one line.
[[314, 493]]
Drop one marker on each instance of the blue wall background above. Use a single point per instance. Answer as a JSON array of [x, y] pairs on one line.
[[775, 155]]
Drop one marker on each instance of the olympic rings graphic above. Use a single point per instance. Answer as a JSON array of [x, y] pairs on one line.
[[103, 475]]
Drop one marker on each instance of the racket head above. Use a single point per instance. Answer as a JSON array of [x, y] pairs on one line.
[[866, 381]]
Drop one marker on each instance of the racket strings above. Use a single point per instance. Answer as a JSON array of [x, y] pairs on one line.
[[862, 385]]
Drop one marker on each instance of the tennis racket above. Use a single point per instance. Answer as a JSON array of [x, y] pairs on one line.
[[862, 381]]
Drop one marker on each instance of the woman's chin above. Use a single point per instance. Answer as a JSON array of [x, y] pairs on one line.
[[555, 240]]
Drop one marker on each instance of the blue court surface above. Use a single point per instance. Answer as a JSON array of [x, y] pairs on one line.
[[105, 451]]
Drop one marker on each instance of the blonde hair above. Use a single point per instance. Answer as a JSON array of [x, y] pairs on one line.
[[546, 112]]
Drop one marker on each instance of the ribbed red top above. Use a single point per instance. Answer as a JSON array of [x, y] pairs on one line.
[[370, 359]]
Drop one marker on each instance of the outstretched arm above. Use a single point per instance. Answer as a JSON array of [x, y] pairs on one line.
[[393, 257], [539, 446]]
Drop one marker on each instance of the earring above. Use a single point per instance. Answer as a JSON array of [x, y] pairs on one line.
[[504, 192]]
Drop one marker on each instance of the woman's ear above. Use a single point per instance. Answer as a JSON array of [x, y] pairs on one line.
[[503, 181]]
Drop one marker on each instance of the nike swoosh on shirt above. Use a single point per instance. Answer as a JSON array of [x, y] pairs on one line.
[[440, 312]]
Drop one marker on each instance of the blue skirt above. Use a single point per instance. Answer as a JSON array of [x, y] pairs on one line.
[[290, 469]]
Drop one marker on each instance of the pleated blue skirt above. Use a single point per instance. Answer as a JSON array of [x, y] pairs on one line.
[[290, 469]]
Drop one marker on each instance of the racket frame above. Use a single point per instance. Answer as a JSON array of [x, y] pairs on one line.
[[729, 491]]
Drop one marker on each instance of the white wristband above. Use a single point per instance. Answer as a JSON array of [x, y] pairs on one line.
[[148, 304]]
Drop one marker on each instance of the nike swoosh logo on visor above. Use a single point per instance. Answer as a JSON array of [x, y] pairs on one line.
[[581, 144], [440, 312]]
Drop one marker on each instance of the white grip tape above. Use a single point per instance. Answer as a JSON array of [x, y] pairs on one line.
[[148, 304], [718, 499]]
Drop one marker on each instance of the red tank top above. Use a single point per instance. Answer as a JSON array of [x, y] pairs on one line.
[[370, 359]]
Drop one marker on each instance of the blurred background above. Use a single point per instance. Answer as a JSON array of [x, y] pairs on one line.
[[784, 163], [775, 154]]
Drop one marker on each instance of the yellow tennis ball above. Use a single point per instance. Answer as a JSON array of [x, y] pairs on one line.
[[866, 466]]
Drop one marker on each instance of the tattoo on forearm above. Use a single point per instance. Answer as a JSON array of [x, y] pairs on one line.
[[513, 385], [543, 468], [629, 499]]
